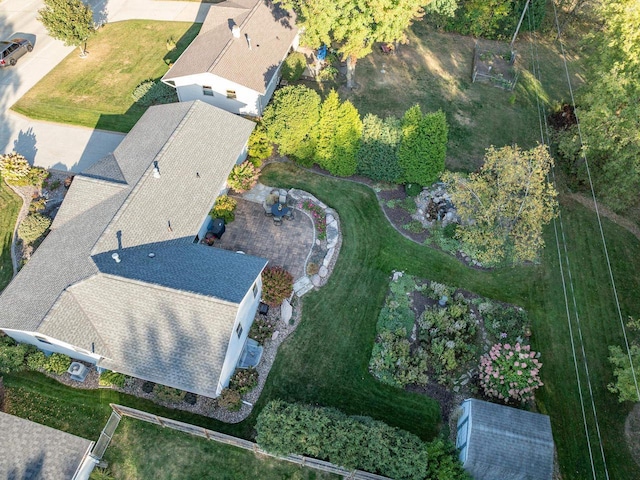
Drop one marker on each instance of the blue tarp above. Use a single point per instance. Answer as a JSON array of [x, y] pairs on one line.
[[322, 52]]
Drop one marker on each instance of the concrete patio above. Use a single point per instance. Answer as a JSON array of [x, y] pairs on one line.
[[254, 233]]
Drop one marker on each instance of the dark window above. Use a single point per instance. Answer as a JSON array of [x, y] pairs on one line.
[[231, 94], [239, 330], [43, 340], [207, 90], [255, 290]]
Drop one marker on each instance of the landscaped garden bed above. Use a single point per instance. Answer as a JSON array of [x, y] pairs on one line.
[[435, 339]]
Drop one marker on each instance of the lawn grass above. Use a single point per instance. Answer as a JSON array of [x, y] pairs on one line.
[[144, 450], [434, 70], [96, 91], [325, 361], [10, 205]]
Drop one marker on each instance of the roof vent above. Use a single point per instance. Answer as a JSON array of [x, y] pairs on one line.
[[116, 257], [152, 255], [235, 31], [246, 35], [156, 172]]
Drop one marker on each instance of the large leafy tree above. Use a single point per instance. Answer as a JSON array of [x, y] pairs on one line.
[[625, 384], [505, 205], [355, 24], [290, 117], [68, 20], [424, 146], [337, 136], [609, 109]]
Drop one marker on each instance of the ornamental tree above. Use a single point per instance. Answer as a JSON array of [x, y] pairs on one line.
[[506, 204], [13, 166], [68, 20], [510, 372], [277, 284], [33, 227]]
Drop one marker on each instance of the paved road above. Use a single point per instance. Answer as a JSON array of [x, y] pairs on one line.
[[53, 145]]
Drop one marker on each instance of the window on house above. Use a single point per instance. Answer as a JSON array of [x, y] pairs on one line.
[[231, 94], [207, 90], [43, 340], [239, 330], [255, 290]]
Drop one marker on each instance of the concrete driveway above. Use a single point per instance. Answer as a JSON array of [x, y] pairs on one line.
[[51, 145]]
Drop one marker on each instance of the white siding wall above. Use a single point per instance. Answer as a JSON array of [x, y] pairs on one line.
[[246, 314], [189, 88], [55, 346], [223, 190]]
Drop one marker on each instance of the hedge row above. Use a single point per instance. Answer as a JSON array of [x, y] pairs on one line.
[[353, 442]]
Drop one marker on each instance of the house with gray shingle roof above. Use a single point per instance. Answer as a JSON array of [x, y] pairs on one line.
[[234, 62], [122, 280], [501, 442], [30, 451]]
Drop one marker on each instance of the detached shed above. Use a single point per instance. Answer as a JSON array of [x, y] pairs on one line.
[[497, 442]]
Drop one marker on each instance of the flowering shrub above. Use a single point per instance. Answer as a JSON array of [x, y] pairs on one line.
[[277, 284], [243, 381], [510, 372], [243, 177], [319, 218], [230, 400], [224, 208], [262, 329]]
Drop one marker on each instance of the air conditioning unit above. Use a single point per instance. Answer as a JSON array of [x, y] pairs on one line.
[[78, 371]]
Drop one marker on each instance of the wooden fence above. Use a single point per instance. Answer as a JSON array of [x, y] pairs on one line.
[[245, 444]]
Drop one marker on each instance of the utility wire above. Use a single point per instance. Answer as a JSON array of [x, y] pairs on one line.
[[542, 116], [595, 203]]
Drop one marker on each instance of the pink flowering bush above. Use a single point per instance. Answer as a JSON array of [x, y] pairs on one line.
[[510, 372], [319, 217]]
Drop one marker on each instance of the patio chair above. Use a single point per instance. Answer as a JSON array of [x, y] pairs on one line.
[[277, 221], [282, 199], [267, 209], [289, 214]]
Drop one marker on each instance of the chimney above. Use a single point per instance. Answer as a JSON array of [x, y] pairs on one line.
[[246, 35], [116, 257], [235, 31]]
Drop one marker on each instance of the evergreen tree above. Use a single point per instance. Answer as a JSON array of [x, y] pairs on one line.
[[423, 148], [377, 157], [338, 136]]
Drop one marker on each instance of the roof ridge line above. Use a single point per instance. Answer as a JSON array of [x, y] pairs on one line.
[[135, 188], [168, 289], [231, 40]]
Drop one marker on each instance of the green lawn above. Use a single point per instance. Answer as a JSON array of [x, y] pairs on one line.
[[325, 361], [10, 205], [96, 91], [434, 70], [140, 450]]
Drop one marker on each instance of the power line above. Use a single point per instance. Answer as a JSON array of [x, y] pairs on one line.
[[542, 116], [595, 203]]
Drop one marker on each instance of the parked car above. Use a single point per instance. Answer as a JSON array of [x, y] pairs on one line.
[[12, 50]]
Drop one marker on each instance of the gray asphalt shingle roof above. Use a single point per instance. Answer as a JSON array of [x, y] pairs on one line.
[[29, 450], [508, 444], [68, 288], [215, 50]]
